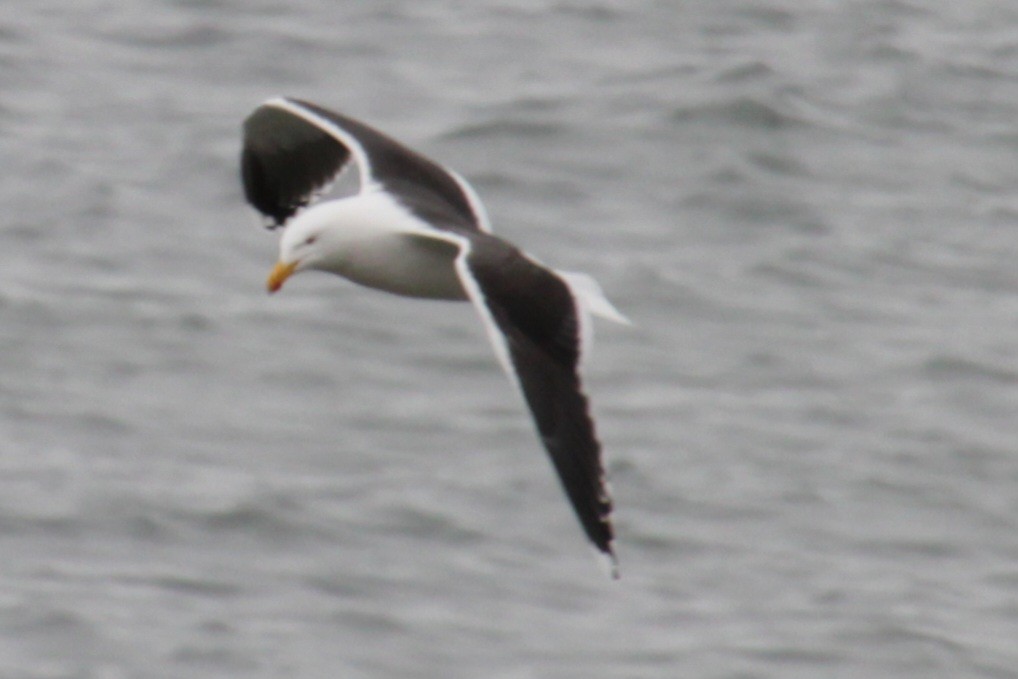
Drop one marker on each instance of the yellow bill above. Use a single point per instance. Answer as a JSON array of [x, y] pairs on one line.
[[280, 272]]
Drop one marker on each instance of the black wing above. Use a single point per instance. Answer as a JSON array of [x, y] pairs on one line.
[[536, 313], [285, 160], [293, 148]]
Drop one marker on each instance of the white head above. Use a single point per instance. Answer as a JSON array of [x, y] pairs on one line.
[[346, 237], [312, 240]]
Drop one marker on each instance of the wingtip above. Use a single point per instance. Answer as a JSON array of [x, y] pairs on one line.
[[609, 562]]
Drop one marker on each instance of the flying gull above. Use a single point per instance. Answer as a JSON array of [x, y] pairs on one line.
[[418, 229]]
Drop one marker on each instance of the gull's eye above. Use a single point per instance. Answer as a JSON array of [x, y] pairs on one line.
[[310, 240]]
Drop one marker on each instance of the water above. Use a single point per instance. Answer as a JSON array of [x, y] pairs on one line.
[[806, 208]]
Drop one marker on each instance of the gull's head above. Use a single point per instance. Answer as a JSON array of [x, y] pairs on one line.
[[306, 244]]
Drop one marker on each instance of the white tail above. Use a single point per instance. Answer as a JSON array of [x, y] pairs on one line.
[[590, 296], [590, 300]]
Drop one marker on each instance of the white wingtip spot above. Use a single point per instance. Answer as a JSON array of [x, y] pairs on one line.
[[608, 563]]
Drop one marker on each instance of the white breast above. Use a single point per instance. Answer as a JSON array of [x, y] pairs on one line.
[[374, 241]]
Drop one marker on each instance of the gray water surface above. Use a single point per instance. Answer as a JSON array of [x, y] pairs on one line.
[[807, 209]]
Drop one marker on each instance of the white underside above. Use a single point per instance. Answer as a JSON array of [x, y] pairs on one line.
[[372, 240], [406, 265]]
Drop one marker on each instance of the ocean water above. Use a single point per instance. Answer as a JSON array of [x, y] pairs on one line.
[[807, 209]]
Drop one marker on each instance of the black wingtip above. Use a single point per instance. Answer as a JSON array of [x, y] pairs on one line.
[[285, 160]]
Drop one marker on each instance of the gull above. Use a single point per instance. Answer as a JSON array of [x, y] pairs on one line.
[[416, 228]]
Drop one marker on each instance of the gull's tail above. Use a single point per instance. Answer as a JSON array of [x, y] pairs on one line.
[[590, 296]]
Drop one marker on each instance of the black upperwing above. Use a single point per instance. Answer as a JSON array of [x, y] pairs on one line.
[[285, 160], [536, 313], [294, 148]]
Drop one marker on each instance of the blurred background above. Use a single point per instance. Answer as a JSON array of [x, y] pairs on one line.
[[807, 208]]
